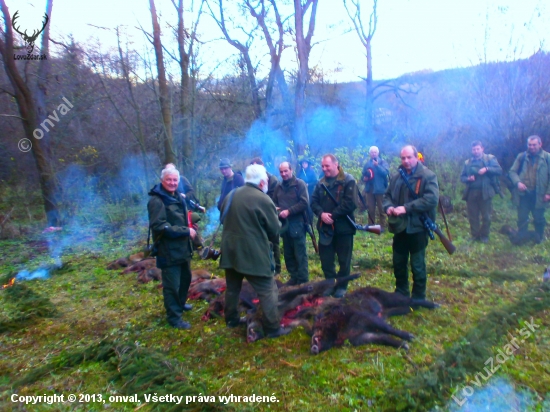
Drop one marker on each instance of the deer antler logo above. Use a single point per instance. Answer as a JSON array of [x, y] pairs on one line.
[[32, 38]]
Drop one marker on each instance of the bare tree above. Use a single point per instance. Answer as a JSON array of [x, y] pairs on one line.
[[260, 13], [303, 45], [366, 32], [164, 92], [365, 35], [183, 36], [31, 109], [244, 49]]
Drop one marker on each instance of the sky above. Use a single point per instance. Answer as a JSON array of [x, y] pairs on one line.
[[412, 35]]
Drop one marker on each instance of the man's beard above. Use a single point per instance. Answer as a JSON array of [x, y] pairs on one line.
[[265, 187]]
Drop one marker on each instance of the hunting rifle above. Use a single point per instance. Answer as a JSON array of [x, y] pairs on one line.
[[429, 224], [376, 229], [311, 233]]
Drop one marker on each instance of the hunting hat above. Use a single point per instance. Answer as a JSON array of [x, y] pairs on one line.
[[195, 217], [224, 162], [326, 233], [397, 224]]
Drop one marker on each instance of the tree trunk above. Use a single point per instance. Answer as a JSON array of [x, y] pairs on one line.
[[187, 147], [28, 109], [164, 92], [369, 104], [244, 49], [303, 44]]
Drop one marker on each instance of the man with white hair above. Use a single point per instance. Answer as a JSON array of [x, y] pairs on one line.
[[375, 176], [172, 238], [250, 227]]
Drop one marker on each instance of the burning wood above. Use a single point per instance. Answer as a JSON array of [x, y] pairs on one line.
[[9, 284]]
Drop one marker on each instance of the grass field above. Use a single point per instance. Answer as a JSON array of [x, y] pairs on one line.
[[87, 330]]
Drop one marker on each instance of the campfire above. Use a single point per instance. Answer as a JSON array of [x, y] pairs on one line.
[[10, 283], [40, 273]]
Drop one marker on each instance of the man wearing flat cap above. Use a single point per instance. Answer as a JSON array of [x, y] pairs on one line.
[[231, 180]]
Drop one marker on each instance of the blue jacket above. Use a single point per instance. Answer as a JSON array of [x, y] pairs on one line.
[[379, 184]]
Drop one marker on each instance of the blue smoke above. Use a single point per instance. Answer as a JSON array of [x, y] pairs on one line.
[[41, 273], [497, 396], [212, 222], [271, 144]]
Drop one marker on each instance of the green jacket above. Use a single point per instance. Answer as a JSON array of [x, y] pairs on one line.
[[292, 195], [519, 169], [487, 180], [250, 225], [168, 223], [428, 196], [344, 189]]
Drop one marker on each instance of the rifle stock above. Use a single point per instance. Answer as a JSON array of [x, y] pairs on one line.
[[376, 229], [447, 244]]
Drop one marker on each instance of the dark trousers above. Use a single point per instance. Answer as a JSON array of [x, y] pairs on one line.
[[175, 285], [342, 247], [277, 255], [413, 245], [294, 249], [267, 291], [477, 207], [375, 202], [527, 204]]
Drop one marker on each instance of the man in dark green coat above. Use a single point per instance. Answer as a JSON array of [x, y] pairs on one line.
[[335, 230], [410, 238], [172, 237], [250, 226], [479, 174], [292, 199], [530, 174]]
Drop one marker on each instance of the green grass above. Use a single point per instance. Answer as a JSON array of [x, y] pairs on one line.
[[93, 331]]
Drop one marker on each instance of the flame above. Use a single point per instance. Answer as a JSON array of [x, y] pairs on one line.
[[421, 157], [10, 283]]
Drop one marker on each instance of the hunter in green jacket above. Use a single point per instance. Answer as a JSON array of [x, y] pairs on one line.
[[172, 238], [410, 238], [335, 229], [530, 174], [250, 226]]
